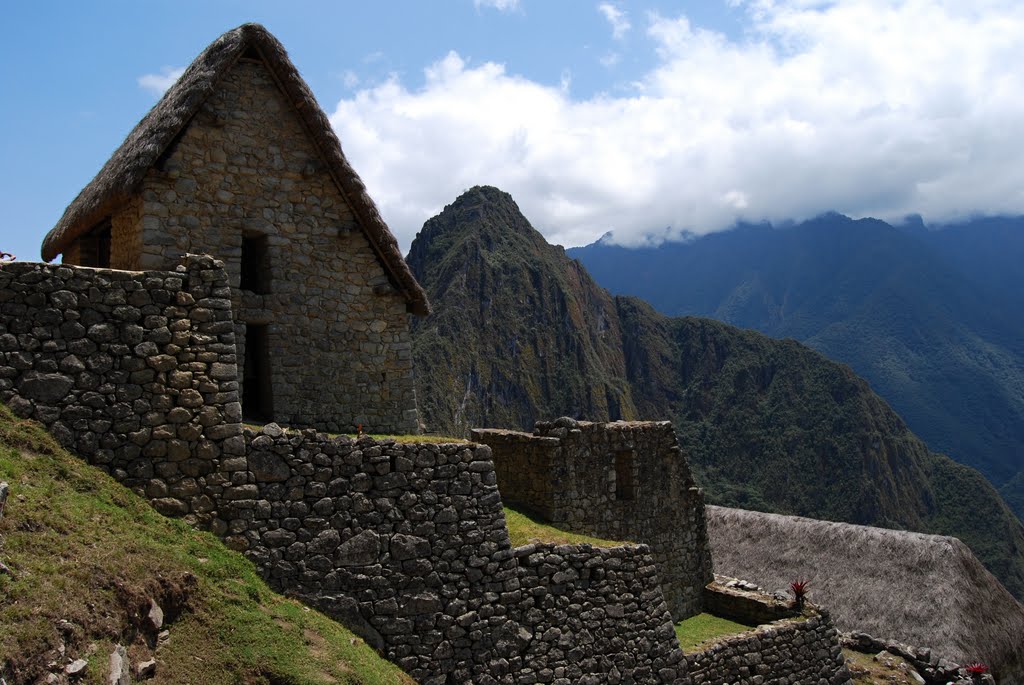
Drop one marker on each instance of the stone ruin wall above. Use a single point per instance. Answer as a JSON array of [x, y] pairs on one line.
[[133, 371], [569, 473], [800, 650], [337, 329], [406, 543]]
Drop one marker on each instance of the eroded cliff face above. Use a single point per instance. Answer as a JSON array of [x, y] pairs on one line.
[[522, 333]]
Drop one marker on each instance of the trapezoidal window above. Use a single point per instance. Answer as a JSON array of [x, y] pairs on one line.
[[257, 398], [94, 247], [255, 264], [624, 485]]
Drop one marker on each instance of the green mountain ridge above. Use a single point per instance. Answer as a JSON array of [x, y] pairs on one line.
[[521, 332], [928, 317]]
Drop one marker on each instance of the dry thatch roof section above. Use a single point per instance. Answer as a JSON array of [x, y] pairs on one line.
[[922, 590], [123, 173]]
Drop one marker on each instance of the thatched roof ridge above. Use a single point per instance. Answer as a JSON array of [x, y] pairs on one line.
[[123, 173], [918, 589]]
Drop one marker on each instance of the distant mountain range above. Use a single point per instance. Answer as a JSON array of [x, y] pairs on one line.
[[931, 317], [520, 332]]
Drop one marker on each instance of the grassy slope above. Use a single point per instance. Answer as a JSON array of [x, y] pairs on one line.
[[702, 628], [88, 551], [524, 529]]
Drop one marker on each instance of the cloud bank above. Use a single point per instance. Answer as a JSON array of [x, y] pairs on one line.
[[867, 107]]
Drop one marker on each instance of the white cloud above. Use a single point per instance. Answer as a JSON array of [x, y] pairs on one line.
[[158, 84], [617, 18], [868, 107], [501, 5]]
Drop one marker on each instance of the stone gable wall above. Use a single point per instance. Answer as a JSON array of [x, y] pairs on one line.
[[133, 371], [338, 332], [566, 472]]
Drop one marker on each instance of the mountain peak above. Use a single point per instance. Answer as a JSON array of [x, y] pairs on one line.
[[483, 194], [483, 219]]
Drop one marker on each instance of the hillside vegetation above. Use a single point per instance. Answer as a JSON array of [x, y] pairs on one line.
[[521, 332], [87, 559], [929, 317]]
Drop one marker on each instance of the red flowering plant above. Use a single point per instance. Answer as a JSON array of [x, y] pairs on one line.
[[799, 590], [976, 669]]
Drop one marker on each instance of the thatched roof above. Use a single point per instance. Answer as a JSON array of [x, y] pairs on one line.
[[123, 173], [921, 590]]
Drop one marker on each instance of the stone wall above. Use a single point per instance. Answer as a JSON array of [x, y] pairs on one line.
[[744, 606], [407, 543], [621, 481], [133, 371], [794, 650], [788, 646], [339, 353]]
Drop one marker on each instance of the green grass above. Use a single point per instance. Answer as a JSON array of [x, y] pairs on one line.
[[86, 550], [404, 439], [524, 529], [702, 628], [437, 439]]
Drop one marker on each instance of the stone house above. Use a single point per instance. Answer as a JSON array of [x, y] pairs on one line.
[[238, 161]]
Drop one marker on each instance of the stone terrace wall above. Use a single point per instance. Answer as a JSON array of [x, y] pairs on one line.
[[790, 647], [407, 543], [598, 612], [795, 650], [133, 371], [567, 472]]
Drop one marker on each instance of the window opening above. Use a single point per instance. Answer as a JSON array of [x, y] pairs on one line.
[[255, 264], [257, 399], [103, 247], [624, 488], [94, 247]]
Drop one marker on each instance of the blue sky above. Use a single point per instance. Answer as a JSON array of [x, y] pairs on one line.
[[644, 118]]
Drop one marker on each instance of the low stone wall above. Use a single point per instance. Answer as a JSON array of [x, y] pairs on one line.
[[134, 371], [788, 646], [794, 650], [745, 607]]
